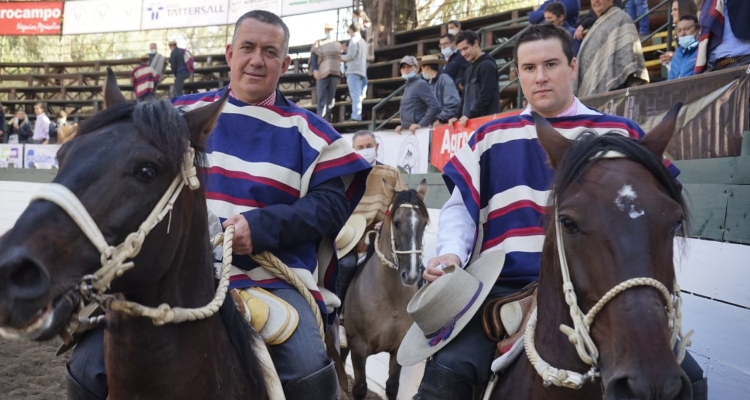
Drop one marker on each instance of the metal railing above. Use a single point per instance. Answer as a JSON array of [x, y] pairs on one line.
[[380, 104], [666, 26]]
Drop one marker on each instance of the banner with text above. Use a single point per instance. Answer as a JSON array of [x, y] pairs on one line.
[[11, 155], [239, 7], [408, 151], [31, 18], [40, 156], [295, 7], [159, 14], [97, 16]]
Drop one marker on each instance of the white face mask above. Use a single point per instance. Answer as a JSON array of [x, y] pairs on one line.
[[61, 121], [368, 154], [152, 51], [447, 52], [452, 31]]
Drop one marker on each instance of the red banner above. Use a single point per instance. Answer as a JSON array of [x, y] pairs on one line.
[[31, 18], [447, 139]]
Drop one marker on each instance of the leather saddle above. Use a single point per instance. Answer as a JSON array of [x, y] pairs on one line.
[[504, 320]]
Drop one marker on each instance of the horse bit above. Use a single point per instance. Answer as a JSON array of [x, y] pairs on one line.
[[114, 258], [394, 253], [579, 335]]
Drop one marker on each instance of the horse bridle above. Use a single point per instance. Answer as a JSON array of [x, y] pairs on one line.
[[394, 253], [114, 259], [580, 336]]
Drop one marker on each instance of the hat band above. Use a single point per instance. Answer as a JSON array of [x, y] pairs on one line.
[[445, 332]]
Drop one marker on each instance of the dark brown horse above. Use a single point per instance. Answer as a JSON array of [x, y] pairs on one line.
[[616, 210], [120, 164], [375, 306]]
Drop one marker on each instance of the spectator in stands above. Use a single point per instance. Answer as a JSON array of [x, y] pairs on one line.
[[584, 24], [454, 26], [683, 62], [179, 69], [725, 35], [442, 86], [19, 128], [679, 8], [325, 61], [360, 17], [356, 70], [41, 126], [456, 63], [554, 14], [419, 107], [636, 8], [482, 92], [572, 9], [608, 61], [506, 161], [156, 61], [64, 130]]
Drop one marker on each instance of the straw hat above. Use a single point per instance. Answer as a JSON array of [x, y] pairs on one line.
[[350, 234], [432, 59], [443, 308], [327, 26]]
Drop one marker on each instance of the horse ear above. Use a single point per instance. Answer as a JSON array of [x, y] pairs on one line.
[[112, 93], [422, 189], [388, 188], [658, 138], [553, 143], [201, 121]]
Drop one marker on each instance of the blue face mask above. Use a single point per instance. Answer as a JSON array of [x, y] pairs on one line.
[[686, 41], [425, 76], [447, 52], [410, 75]]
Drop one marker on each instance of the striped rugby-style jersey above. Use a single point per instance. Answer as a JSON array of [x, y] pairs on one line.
[[266, 155], [504, 179]]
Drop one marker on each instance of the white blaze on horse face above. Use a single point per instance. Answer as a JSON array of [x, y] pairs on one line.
[[414, 268], [626, 197]]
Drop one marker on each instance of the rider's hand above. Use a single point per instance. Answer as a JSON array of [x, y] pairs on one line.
[[432, 271], [243, 239]]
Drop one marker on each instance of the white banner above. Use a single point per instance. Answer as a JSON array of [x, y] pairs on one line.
[[159, 14], [239, 7], [294, 7], [41, 156], [408, 151], [11, 155], [99, 16]]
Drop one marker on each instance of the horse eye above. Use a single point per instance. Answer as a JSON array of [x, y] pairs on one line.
[[677, 228], [569, 225], [396, 223], [146, 172]]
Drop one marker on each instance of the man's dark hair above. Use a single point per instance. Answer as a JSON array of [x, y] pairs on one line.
[[43, 106], [450, 37], [557, 9], [469, 36], [455, 23], [265, 17], [690, 18], [354, 27], [534, 33]]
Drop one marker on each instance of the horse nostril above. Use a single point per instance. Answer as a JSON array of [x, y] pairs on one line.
[[620, 389], [26, 278]]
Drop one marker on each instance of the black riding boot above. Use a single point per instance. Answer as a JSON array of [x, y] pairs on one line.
[[700, 389], [441, 383], [76, 391], [348, 266], [320, 385]]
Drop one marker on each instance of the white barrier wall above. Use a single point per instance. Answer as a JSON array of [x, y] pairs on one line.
[[14, 199]]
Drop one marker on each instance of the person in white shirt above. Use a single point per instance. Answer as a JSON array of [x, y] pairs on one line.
[[41, 126]]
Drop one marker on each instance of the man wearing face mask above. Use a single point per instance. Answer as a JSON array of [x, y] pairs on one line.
[[454, 27], [156, 61], [456, 63], [683, 60], [442, 86], [419, 107]]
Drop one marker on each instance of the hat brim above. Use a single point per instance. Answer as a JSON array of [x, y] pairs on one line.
[[359, 224], [415, 347]]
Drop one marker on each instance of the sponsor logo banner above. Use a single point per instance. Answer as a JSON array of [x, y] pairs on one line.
[[239, 7], [11, 156], [408, 151], [175, 14], [31, 18], [294, 7], [96, 16], [41, 156]]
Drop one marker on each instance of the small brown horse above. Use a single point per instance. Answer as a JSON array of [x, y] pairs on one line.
[[119, 165], [617, 210], [375, 306]]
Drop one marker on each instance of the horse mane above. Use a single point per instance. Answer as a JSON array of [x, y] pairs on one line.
[[159, 122], [243, 337], [409, 196], [590, 147]]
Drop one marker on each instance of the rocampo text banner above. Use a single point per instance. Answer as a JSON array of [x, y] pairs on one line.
[[31, 18]]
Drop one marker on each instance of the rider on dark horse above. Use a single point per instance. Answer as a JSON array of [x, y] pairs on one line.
[[287, 181], [514, 179]]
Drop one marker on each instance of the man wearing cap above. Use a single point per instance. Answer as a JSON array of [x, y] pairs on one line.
[[419, 107], [325, 60], [442, 86], [500, 182], [179, 69]]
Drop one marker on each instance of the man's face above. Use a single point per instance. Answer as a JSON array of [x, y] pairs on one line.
[[599, 7], [364, 142], [675, 11], [546, 78], [686, 28], [554, 19], [152, 47], [454, 27], [38, 110], [406, 69], [444, 42], [256, 60], [470, 52]]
